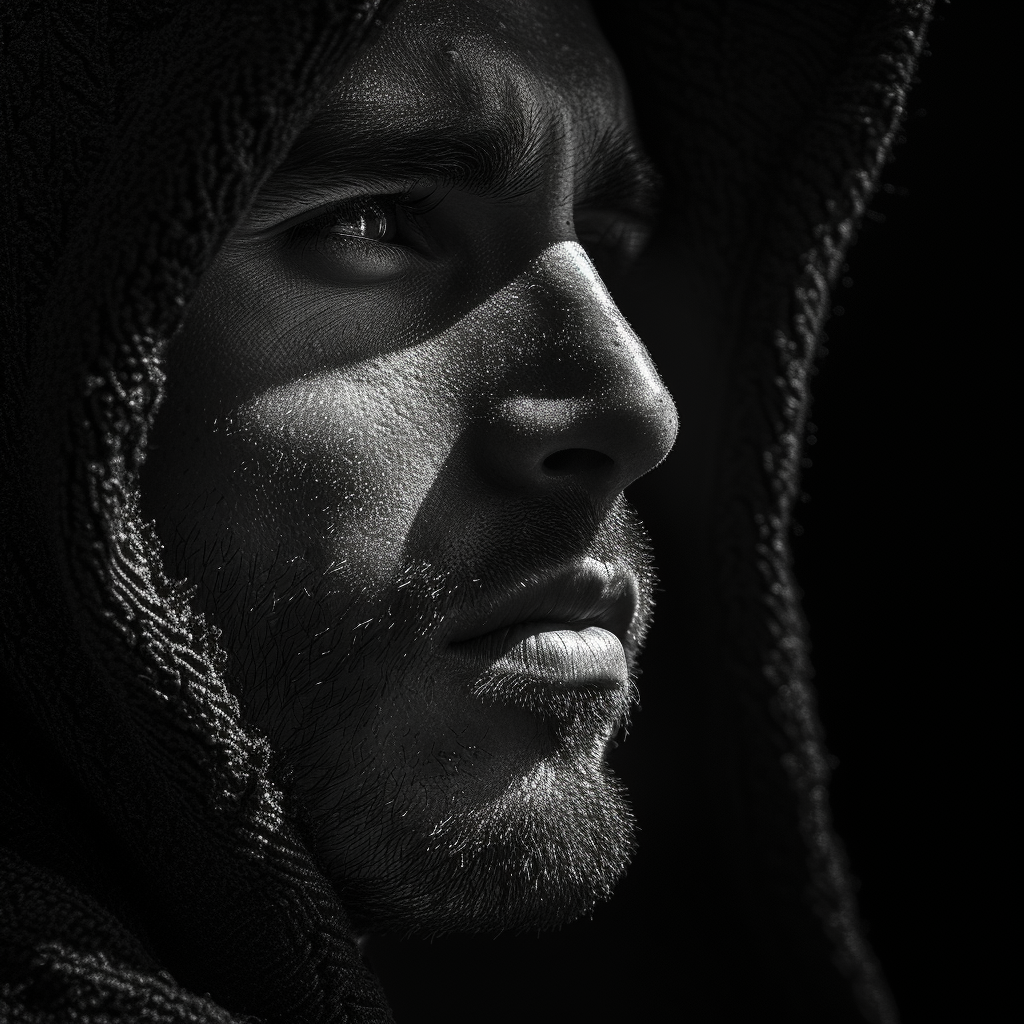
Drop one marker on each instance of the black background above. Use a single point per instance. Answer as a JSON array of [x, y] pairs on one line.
[[912, 530], [909, 561]]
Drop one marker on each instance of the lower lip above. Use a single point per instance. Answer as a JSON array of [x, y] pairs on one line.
[[553, 652]]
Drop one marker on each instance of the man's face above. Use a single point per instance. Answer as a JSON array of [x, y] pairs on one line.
[[399, 421]]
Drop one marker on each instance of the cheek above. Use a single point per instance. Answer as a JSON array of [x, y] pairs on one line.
[[300, 427], [332, 470]]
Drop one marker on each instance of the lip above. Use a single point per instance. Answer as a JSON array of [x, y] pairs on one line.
[[568, 629]]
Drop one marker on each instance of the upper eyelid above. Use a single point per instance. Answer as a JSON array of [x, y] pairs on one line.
[[642, 204], [398, 192], [628, 211], [267, 218], [643, 218], [308, 200], [401, 200]]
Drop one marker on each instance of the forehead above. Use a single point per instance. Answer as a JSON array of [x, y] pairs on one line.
[[478, 61]]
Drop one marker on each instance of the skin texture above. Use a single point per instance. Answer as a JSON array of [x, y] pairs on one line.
[[387, 417]]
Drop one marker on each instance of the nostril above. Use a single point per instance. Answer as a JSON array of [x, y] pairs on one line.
[[577, 460]]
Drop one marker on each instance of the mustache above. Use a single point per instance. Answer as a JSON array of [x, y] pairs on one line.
[[290, 624], [524, 544]]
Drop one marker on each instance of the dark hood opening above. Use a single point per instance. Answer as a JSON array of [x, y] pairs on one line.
[[136, 798]]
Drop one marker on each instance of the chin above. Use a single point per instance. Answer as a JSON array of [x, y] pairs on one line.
[[446, 738], [537, 856]]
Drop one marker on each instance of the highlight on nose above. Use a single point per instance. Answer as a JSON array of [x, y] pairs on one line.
[[579, 398]]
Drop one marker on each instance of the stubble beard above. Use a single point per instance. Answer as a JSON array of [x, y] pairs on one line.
[[423, 837]]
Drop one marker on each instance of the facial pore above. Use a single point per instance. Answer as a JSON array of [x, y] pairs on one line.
[[402, 412]]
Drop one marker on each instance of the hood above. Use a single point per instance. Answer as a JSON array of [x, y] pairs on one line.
[[153, 866]]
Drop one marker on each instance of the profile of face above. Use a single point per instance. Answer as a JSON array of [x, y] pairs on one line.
[[398, 425]]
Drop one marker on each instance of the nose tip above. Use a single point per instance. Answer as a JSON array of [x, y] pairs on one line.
[[582, 402], [600, 444]]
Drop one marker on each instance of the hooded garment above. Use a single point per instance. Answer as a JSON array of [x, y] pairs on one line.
[[152, 866]]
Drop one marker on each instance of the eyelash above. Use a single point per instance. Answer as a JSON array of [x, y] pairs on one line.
[[616, 243], [399, 208]]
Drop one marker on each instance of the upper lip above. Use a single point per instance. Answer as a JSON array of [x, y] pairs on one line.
[[584, 593]]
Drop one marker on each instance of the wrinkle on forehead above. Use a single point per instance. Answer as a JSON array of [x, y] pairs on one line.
[[454, 61], [456, 94]]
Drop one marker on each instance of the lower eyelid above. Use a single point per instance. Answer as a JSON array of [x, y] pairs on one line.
[[345, 259]]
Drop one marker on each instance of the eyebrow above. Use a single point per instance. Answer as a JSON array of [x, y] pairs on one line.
[[501, 157]]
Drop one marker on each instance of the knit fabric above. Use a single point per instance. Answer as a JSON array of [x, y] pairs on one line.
[[152, 865]]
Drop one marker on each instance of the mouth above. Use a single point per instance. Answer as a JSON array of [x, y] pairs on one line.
[[570, 630]]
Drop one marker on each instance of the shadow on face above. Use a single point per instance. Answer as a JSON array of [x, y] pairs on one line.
[[399, 423]]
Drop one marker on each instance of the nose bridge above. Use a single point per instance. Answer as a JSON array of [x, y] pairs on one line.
[[578, 396], [574, 339]]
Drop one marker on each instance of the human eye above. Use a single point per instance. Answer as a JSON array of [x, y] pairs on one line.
[[369, 218], [362, 238], [614, 239]]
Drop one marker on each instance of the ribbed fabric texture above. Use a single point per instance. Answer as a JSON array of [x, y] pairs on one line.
[[151, 866]]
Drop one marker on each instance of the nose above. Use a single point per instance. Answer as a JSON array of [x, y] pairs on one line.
[[576, 398]]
